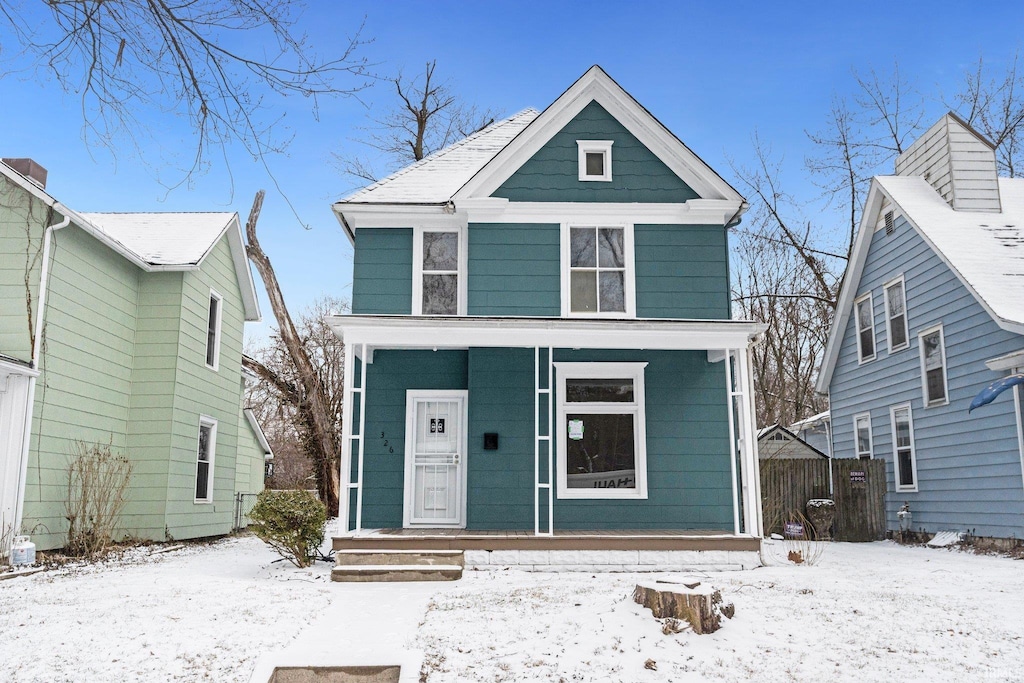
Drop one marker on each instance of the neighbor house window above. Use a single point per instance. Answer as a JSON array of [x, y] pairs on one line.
[[602, 445], [862, 433], [865, 328], [896, 315], [933, 366], [437, 286], [903, 448], [598, 277], [213, 331], [595, 160], [204, 459]]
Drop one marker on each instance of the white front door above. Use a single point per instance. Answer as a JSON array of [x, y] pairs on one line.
[[435, 459]]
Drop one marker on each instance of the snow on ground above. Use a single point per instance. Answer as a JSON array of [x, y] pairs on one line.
[[869, 612]]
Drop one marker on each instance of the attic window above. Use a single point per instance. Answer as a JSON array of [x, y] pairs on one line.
[[889, 224], [595, 160]]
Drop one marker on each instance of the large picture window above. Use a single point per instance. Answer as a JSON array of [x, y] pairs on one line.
[[602, 450], [865, 328], [904, 456], [436, 282], [933, 366], [598, 271], [204, 459]]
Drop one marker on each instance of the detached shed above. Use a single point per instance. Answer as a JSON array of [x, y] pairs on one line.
[[777, 442]]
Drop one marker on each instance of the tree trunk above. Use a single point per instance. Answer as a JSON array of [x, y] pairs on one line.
[[318, 432]]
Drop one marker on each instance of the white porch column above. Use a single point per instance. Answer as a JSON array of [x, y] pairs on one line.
[[730, 397], [363, 363], [345, 475], [751, 476]]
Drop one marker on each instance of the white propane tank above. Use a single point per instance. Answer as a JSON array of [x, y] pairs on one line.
[[23, 552]]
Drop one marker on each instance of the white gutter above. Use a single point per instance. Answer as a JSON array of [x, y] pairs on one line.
[[44, 278]]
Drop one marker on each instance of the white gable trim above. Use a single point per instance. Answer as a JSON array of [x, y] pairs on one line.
[[257, 431], [596, 85], [855, 270]]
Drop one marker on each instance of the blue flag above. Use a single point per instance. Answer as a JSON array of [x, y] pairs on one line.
[[989, 393]]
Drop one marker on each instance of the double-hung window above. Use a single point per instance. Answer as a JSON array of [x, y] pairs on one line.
[[436, 282], [599, 273], [204, 459], [896, 315], [933, 366], [862, 434], [904, 456], [602, 445], [213, 331], [865, 314]]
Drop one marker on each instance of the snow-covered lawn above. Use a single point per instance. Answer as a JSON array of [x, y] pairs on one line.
[[872, 612]]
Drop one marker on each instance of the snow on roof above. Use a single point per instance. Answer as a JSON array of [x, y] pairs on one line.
[[985, 248], [436, 178], [164, 239], [811, 421]]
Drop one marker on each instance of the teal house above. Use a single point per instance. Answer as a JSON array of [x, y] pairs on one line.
[[123, 330], [541, 348], [930, 314]]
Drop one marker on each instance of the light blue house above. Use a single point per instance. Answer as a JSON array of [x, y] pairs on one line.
[[541, 341], [931, 312]]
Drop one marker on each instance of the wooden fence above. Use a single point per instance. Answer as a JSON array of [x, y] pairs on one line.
[[857, 487]]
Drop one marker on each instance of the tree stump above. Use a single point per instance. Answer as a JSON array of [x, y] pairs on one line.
[[701, 607]]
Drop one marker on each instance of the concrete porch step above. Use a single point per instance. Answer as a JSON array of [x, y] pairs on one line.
[[355, 557], [396, 572]]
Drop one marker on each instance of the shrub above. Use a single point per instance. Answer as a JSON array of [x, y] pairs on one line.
[[290, 522], [97, 492]]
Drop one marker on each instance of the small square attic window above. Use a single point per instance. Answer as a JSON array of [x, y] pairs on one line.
[[595, 160]]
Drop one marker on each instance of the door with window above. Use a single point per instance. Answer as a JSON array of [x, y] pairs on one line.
[[435, 445]]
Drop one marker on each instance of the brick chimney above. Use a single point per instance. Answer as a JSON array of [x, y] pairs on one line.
[[30, 169], [958, 162]]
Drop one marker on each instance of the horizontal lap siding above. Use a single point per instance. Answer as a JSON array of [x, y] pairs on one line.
[[391, 374], [382, 271], [968, 465], [84, 391], [552, 174], [682, 271], [22, 222], [200, 390], [514, 269]]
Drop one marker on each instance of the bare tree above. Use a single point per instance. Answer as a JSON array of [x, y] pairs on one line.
[[427, 116], [310, 378], [182, 57], [994, 105]]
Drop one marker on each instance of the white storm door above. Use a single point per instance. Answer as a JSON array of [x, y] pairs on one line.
[[435, 446]]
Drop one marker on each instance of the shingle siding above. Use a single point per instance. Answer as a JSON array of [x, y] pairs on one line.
[[968, 465], [514, 269], [382, 271], [682, 271]]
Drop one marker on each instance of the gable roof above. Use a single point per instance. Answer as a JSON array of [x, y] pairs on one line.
[[766, 432], [160, 241], [436, 178], [984, 250]]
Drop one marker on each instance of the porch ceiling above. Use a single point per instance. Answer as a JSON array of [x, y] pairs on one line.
[[422, 332]]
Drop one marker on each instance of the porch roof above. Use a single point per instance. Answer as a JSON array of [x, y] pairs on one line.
[[435, 332]]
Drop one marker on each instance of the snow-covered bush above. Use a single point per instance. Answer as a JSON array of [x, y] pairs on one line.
[[290, 522]]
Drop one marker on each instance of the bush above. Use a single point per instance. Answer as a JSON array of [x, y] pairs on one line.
[[290, 522], [97, 493]]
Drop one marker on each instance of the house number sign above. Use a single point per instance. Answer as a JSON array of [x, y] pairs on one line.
[[437, 425]]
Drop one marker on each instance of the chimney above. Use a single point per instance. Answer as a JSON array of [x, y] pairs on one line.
[[30, 169], [958, 162]]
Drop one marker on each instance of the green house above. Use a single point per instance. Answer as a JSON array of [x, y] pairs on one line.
[[541, 344], [123, 330]]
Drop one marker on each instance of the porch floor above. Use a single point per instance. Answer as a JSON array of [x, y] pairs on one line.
[[462, 539]]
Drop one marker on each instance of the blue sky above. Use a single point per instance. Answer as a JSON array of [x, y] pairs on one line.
[[712, 72]]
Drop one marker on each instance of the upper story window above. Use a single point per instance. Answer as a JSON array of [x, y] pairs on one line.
[[862, 433], [598, 271], [865, 314], [437, 286], [904, 456], [595, 160], [896, 315], [213, 331], [933, 366]]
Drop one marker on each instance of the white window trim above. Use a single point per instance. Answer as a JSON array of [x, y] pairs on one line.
[[417, 267], [895, 449], [634, 371], [924, 374], [595, 146], [906, 314], [629, 280], [205, 421], [861, 358], [856, 436], [214, 294]]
